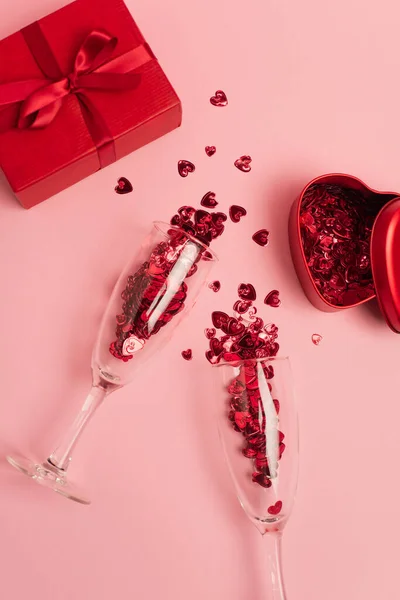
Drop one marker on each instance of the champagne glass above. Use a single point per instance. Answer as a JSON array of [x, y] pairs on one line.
[[155, 290], [258, 428]]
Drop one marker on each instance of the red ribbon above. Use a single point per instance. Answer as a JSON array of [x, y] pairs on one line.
[[93, 70]]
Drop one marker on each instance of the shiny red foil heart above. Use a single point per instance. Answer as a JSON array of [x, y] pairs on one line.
[[236, 213], [243, 163], [272, 299], [185, 167], [123, 186], [187, 354], [210, 150], [219, 99], [208, 200], [276, 508], [261, 237], [247, 292], [215, 286]]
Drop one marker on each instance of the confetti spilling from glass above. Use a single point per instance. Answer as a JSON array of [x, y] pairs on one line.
[[219, 99], [215, 286], [243, 163], [187, 354], [123, 186], [272, 299], [261, 237], [316, 339], [336, 225], [208, 200], [245, 338], [201, 224], [148, 302], [210, 150], [185, 167], [236, 213]]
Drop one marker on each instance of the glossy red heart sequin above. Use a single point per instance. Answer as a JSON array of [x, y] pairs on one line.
[[208, 200], [185, 167], [210, 150], [210, 332], [236, 213], [261, 237], [272, 299], [247, 292], [219, 99], [123, 186], [187, 354], [316, 339], [215, 286], [219, 319], [243, 163], [276, 508]]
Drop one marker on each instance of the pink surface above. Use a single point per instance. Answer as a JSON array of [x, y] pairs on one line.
[[312, 89]]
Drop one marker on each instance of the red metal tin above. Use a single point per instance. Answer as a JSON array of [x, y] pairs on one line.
[[385, 258], [385, 250]]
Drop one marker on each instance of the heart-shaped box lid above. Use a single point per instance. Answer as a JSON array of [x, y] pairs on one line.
[[385, 258]]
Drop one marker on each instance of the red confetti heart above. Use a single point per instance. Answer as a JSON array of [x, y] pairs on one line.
[[210, 333], [215, 286], [241, 306], [208, 200], [316, 338], [219, 99], [247, 292], [241, 419], [187, 354], [272, 299], [210, 150], [261, 237], [185, 167], [276, 508], [277, 406], [236, 213], [262, 480], [219, 318], [243, 163], [234, 327], [124, 186]]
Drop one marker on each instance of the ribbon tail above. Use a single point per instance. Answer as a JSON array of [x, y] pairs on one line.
[[99, 131]]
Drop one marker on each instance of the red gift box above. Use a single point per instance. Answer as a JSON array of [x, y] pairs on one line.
[[79, 89]]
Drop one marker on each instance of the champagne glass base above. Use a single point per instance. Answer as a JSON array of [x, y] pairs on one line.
[[48, 476]]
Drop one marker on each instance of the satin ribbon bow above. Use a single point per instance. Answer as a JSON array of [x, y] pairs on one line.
[[93, 70]]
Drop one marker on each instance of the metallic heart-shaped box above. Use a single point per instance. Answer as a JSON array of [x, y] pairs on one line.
[[345, 244]]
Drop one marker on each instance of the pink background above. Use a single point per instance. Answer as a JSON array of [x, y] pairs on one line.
[[312, 88]]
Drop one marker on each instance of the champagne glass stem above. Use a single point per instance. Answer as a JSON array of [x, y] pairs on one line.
[[61, 455], [273, 543]]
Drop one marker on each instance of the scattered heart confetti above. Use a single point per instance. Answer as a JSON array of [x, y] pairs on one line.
[[219, 99], [185, 167], [246, 291], [272, 299], [210, 332], [187, 354], [236, 213], [208, 200], [210, 150], [316, 339], [215, 286], [243, 163], [261, 237], [276, 508], [123, 186]]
